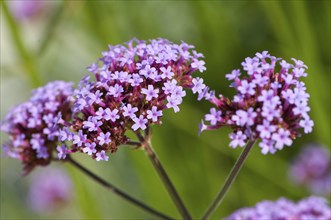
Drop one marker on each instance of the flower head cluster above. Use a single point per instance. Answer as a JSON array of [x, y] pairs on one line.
[[271, 104], [312, 168], [50, 190], [133, 85], [33, 126], [307, 209]]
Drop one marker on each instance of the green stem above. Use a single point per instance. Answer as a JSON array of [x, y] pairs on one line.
[[116, 190], [229, 180], [145, 143], [28, 60]]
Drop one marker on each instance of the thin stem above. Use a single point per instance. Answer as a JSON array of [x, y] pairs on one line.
[[133, 143], [229, 180], [116, 190], [145, 142]]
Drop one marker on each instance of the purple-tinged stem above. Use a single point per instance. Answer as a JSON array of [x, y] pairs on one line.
[[133, 143], [117, 191], [229, 180]]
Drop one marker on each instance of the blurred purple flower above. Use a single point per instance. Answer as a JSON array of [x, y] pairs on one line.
[[311, 208], [34, 129], [133, 85], [270, 106], [50, 190], [27, 9], [312, 168]]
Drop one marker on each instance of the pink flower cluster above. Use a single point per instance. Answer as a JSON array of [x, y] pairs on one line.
[[271, 104]]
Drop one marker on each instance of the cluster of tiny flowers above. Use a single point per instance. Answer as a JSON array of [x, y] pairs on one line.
[[271, 104], [50, 190], [312, 168], [33, 126], [312, 208], [133, 84]]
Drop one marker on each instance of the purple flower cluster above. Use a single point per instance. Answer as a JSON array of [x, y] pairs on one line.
[[133, 85], [271, 104], [33, 126], [51, 189], [312, 168], [312, 208]]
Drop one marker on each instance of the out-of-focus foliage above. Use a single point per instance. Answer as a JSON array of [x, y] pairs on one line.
[[61, 41]]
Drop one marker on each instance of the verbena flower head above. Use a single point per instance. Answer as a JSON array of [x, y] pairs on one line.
[[133, 84], [50, 190], [312, 208], [33, 126], [271, 103], [312, 168]]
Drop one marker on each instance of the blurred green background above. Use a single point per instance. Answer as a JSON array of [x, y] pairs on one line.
[[59, 42]]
